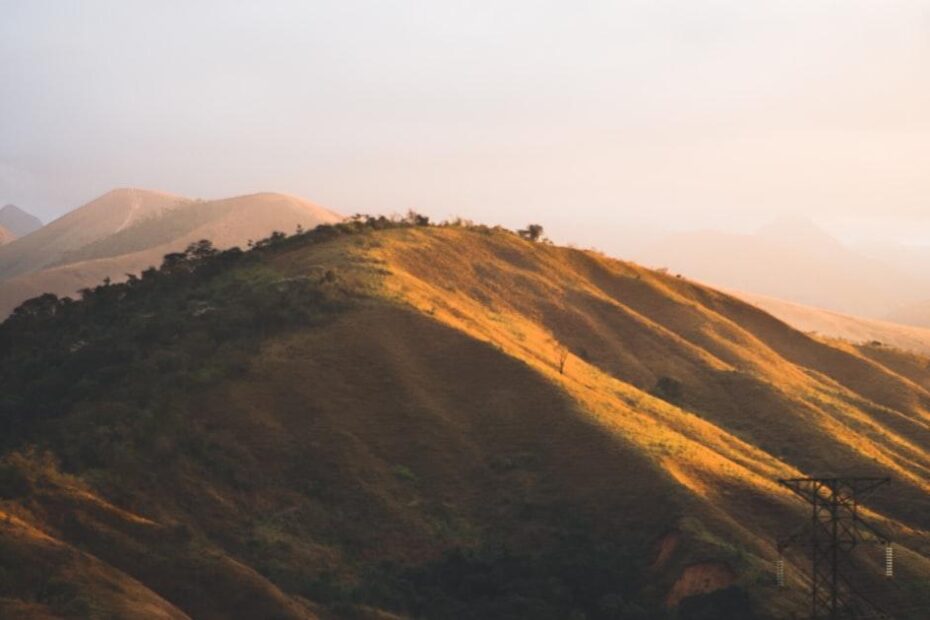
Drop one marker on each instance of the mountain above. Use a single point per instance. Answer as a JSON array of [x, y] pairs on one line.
[[6, 236], [377, 419], [128, 230], [794, 260], [110, 214], [18, 221], [797, 231]]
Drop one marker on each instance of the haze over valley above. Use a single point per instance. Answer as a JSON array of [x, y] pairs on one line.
[[793, 259]]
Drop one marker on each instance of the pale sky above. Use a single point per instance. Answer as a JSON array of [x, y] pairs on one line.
[[597, 119]]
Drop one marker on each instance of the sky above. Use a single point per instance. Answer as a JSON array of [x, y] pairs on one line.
[[601, 120]]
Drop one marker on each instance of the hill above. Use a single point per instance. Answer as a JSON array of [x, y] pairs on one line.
[[384, 420], [128, 230], [111, 213], [18, 222], [794, 260]]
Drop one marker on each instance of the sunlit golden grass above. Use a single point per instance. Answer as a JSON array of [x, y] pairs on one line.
[[439, 272], [688, 447]]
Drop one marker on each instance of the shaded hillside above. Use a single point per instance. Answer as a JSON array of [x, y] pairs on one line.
[[369, 420], [18, 222], [128, 230]]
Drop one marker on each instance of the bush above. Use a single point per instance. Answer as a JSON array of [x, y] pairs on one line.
[[668, 389], [404, 473], [533, 232]]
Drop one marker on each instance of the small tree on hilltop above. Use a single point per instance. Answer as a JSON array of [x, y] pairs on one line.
[[416, 219], [533, 232], [201, 250]]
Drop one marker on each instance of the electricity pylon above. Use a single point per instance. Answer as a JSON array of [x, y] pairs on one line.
[[834, 531]]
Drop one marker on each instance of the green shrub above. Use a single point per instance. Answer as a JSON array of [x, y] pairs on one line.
[[404, 473]]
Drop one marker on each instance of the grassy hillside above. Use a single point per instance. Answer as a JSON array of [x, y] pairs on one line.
[[385, 420]]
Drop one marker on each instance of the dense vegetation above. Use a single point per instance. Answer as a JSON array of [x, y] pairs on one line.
[[191, 321]]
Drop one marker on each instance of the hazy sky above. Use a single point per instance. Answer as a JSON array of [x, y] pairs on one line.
[[595, 118]]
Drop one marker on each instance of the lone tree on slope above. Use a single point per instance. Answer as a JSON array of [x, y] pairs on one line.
[[533, 232], [561, 352]]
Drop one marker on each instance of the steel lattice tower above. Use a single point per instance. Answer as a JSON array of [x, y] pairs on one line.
[[835, 529]]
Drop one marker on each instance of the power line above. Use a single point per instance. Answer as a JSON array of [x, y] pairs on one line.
[[834, 530]]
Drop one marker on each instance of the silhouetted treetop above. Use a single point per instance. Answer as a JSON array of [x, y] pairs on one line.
[[533, 232]]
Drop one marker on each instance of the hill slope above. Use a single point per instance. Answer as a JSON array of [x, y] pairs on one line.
[[18, 221], [128, 230], [371, 421]]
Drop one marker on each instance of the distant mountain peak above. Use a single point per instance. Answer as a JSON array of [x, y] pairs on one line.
[[794, 228], [17, 221], [11, 209]]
